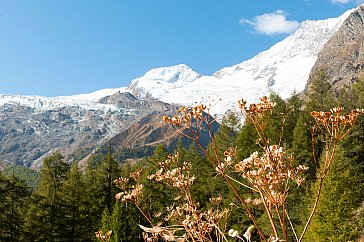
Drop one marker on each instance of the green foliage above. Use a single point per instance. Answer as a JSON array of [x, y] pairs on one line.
[[293, 112], [75, 207], [24, 173], [156, 196], [14, 196], [99, 187], [123, 221], [319, 95], [53, 174], [47, 212], [109, 171], [342, 194], [226, 135], [246, 140], [358, 93], [276, 125]]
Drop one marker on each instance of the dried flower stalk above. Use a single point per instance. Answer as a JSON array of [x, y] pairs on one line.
[[269, 173]]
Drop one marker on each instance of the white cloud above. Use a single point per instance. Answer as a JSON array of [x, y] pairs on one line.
[[272, 23], [340, 1]]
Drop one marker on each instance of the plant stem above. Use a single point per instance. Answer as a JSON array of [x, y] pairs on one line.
[[290, 222], [269, 216]]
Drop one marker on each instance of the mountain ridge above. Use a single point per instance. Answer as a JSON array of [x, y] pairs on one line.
[[283, 68], [342, 57], [32, 127]]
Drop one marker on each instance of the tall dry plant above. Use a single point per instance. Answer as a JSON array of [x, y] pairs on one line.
[[270, 174]]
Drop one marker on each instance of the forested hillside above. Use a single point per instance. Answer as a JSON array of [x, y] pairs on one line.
[[70, 203]]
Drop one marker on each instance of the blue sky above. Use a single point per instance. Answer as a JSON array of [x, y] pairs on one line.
[[65, 47]]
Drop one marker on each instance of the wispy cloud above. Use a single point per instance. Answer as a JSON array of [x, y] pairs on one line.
[[340, 1], [272, 23], [346, 1]]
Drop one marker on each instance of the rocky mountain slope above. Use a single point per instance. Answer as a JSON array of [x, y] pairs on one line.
[[342, 57], [33, 127]]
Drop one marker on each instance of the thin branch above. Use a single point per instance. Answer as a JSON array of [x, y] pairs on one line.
[[281, 222], [269, 216], [242, 184], [149, 220], [290, 222], [218, 229]]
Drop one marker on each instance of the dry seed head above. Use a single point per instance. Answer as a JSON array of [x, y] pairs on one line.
[[233, 233], [185, 116], [136, 174], [335, 117], [131, 194], [121, 182], [103, 237], [270, 172], [216, 199], [263, 106]]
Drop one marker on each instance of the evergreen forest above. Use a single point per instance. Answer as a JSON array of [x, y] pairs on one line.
[[66, 202]]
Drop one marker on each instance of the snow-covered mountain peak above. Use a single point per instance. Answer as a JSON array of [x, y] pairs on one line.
[[171, 74], [306, 41], [157, 81], [284, 68]]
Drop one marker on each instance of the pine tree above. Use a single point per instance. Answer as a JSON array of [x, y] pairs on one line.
[[246, 140], [45, 217], [123, 221], [99, 177], [292, 113], [14, 197], [108, 171], [94, 193], [38, 222], [227, 133], [53, 174], [319, 94], [275, 129], [3, 195], [156, 196], [341, 196], [75, 199]]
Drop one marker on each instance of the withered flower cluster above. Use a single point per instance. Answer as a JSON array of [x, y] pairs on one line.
[[255, 201], [335, 123], [270, 173], [229, 155], [247, 235], [103, 237], [179, 176], [335, 116], [263, 106], [199, 225], [188, 219], [130, 192], [185, 116]]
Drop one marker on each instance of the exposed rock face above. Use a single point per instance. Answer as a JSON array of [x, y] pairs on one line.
[[342, 57], [151, 131], [28, 133], [147, 131]]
